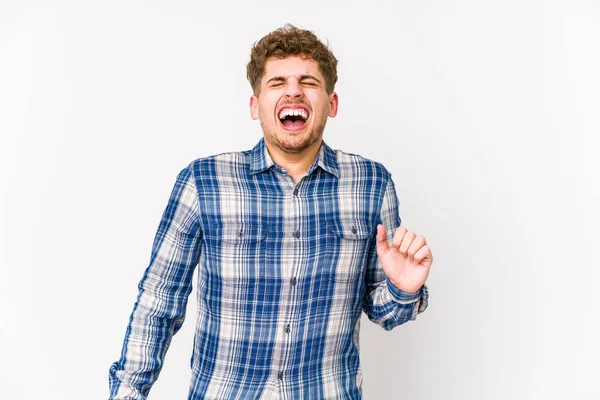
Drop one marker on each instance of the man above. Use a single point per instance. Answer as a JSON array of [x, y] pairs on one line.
[[291, 245]]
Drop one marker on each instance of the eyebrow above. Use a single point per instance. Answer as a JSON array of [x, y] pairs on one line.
[[302, 77]]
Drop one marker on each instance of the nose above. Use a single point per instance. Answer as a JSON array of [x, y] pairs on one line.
[[293, 89]]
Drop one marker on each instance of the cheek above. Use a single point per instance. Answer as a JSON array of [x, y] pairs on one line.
[[319, 104], [266, 108]]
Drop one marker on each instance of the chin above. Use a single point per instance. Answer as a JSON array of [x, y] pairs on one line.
[[296, 142]]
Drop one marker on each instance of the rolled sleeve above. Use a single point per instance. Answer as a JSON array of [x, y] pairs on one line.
[[384, 303]]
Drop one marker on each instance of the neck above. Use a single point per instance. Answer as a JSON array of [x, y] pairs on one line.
[[296, 164]]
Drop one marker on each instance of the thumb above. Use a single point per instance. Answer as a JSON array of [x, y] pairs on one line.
[[382, 245]]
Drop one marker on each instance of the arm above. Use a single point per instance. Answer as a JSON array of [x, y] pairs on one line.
[[384, 303], [163, 291]]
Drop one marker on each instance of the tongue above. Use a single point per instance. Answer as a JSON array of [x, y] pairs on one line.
[[288, 123]]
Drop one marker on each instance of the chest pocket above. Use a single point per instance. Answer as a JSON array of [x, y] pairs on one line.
[[236, 252], [348, 243]]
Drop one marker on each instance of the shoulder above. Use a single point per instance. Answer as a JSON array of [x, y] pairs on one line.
[[222, 163], [228, 158], [354, 165]]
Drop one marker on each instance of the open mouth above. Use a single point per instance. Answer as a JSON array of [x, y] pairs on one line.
[[293, 119]]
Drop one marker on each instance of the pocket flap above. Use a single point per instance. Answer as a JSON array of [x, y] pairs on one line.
[[353, 229], [240, 233]]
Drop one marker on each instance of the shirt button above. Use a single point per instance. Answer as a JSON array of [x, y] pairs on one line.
[[297, 234], [240, 233], [293, 281], [280, 375], [287, 329], [296, 192], [354, 230]]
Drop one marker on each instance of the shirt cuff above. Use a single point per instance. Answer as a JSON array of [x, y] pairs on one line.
[[401, 296]]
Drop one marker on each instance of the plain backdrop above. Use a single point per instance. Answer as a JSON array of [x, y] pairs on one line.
[[485, 112]]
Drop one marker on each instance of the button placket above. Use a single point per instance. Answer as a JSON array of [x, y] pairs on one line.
[[295, 205]]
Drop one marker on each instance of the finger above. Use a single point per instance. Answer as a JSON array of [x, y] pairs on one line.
[[382, 245], [406, 242], [424, 253], [398, 235], [417, 243]]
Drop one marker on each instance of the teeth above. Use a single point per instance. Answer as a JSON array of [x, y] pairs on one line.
[[297, 112]]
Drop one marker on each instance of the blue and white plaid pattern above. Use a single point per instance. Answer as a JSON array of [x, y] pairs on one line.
[[285, 270]]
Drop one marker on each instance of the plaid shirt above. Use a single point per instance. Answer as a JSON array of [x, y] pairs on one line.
[[285, 270]]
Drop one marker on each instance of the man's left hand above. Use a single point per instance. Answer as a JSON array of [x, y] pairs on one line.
[[407, 261]]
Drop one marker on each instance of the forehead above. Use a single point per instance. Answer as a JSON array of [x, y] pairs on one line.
[[291, 65]]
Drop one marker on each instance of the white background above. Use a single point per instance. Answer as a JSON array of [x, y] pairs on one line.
[[486, 113]]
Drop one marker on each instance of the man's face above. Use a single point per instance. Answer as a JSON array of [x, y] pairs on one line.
[[293, 104]]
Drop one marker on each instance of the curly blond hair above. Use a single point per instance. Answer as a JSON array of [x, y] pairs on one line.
[[289, 41]]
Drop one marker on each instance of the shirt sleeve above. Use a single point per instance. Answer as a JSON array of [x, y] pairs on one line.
[[385, 304], [163, 292]]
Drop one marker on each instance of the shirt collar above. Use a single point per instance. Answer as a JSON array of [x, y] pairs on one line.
[[261, 159]]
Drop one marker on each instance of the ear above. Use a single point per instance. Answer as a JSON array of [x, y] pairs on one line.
[[333, 104], [254, 107]]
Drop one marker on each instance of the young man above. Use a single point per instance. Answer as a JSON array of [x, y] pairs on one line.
[[291, 245]]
